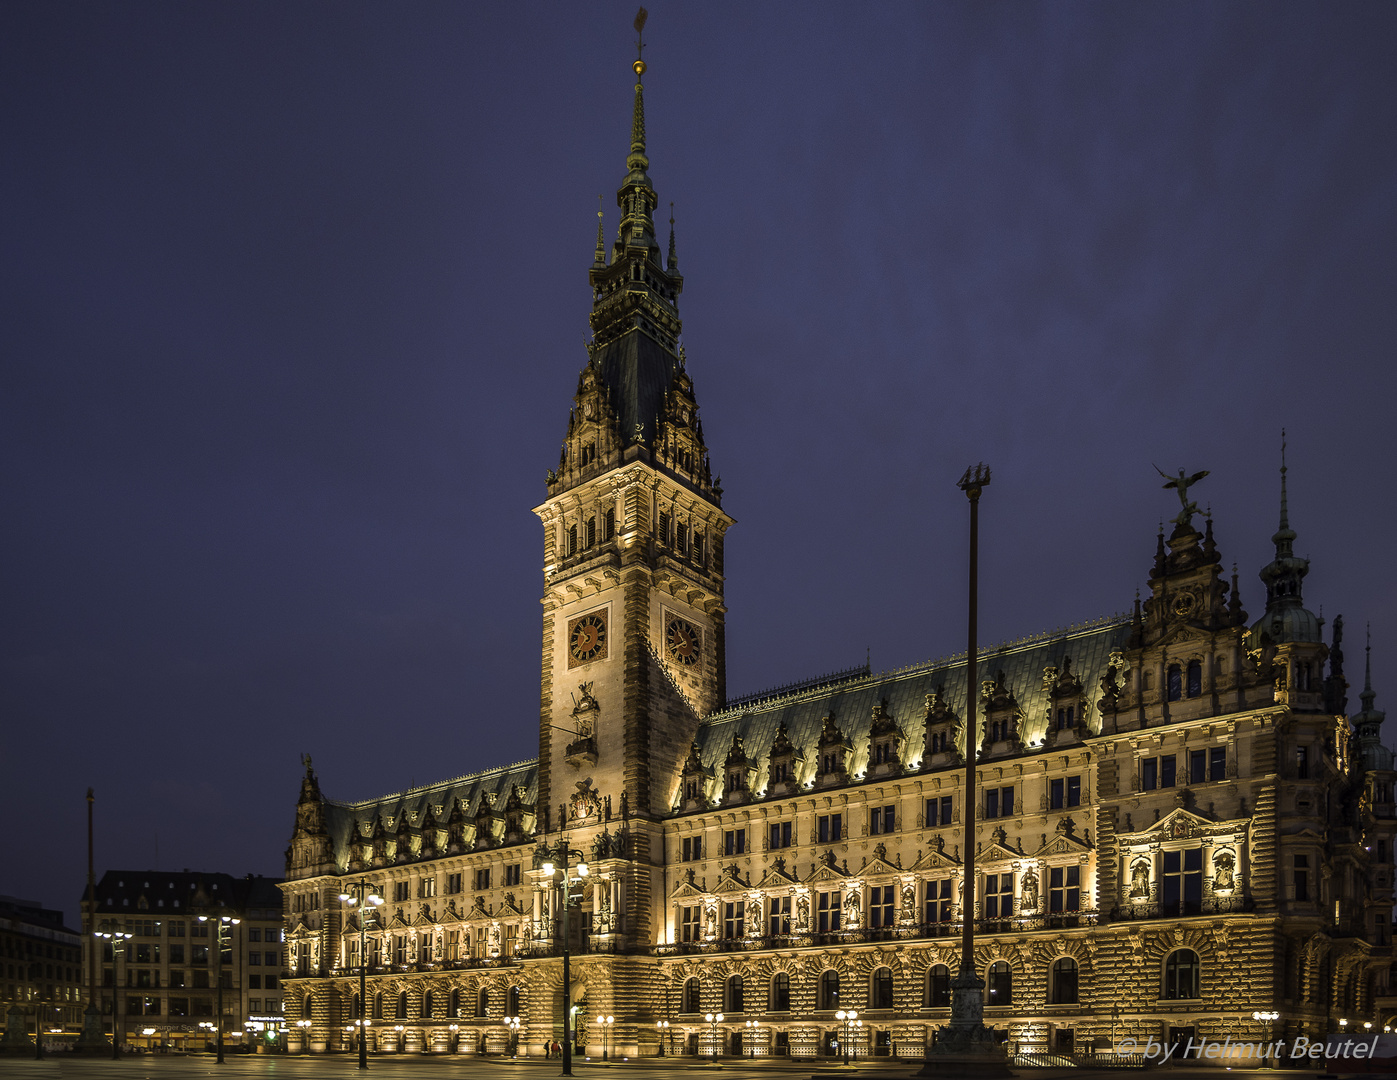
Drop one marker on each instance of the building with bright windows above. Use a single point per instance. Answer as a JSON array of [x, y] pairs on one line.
[[164, 984], [1178, 822], [40, 966]]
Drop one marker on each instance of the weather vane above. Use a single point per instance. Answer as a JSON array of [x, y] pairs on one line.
[[1182, 483], [640, 18]]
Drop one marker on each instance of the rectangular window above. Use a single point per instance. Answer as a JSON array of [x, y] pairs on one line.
[[690, 923], [682, 539], [254, 959], [1197, 766], [1074, 791], [254, 982], [1057, 794], [938, 811], [882, 820], [829, 828], [400, 948], [1302, 878], [1149, 774], [1064, 888], [176, 928], [1166, 770], [1302, 762], [1182, 891], [734, 841], [199, 954], [176, 978], [1217, 763], [779, 916], [453, 945], [881, 904], [692, 848], [733, 912], [664, 527], [269, 958], [780, 834], [999, 802], [271, 982], [179, 1006], [828, 906], [426, 888], [938, 901], [511, 874], [453, 883], [482, 879], [254, 933], [400, 891], [999, 896]]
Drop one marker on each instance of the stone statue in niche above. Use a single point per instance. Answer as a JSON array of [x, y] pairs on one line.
[[802, 912], [1029, 900], [909, 899], [1223, 865], [710, 922], [853, 913], [1140, 880]]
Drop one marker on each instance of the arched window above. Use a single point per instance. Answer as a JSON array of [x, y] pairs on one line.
[[591, 531], [938, 987], [455, 1004], [482, 1004], [1195, 678], [402, 1006], [610, 523], [305, 1008], [427, 1003], [572, 539], [1175, 682], [1062, 985], [1001, 984], [829, 990], [880, 990], [513, 1007], [691, 997], [354, 1006], [1181, 974], [733, 995], [779, 999], [378, 1007]]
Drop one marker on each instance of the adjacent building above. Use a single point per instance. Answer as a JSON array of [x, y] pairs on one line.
[[1178, 823], [164, 983], [40, 965]]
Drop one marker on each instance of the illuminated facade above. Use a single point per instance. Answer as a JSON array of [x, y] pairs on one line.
[[1179, 825]]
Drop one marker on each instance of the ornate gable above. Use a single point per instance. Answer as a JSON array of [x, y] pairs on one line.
[[935, 858]]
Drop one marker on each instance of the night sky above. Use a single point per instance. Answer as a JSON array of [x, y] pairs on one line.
[[294, 301]]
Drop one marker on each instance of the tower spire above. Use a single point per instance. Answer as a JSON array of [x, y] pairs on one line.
[[600, 258], [673, 263], [1284, 537], [1367, 696]]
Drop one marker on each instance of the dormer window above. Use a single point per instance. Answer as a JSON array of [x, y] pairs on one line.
[[735, 781], [691, 789], [1066, 717]]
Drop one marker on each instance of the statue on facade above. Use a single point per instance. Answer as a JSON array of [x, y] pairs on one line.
[[852, 911], [1223, 865], [1181, 484], [1029, 900], [1140, 880]]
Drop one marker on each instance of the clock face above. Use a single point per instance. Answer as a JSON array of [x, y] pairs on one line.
[[683, 640], [587, 639]]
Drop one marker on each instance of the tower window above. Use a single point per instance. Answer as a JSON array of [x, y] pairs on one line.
[[663, 533], [1195, 678], [698, 547], [572, 539], [610, 524], [682, 539], [591, 531], [1175, 682]]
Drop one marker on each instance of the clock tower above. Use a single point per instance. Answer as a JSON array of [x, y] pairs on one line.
[[633, 527]]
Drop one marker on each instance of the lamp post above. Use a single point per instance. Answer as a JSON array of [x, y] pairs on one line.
[[303, 1024], [549, 869], [224, 929], [1270, 1019], [512, 1022], [714, 1019], [118, 941], [848, 1017], [605, 1022], [662, 1026], [364, 895], [752, 1027]]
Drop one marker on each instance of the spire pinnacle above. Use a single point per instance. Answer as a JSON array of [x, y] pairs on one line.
[[1285, 535], [673, 259], [600, 258], [638, 120], [1368, 694]]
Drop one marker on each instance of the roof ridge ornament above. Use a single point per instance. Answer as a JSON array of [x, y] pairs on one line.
[[1182, 483]]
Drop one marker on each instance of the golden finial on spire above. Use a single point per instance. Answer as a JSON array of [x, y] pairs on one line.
[[639, 64]]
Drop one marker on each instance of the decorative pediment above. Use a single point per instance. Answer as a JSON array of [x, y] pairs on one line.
[[996, 852], [730, 881], [424, 916], [936, 858], [826, 870], [776, 875], [397, 922], [1062, 844], [686, 890], [878, 866], [1182, 824], [510, 906]]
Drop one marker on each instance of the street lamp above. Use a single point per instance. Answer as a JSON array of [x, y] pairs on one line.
[[224, 924], [714, 1019], [1269, 1018], [661, 1027], [752, 1027], [364, 895], [848, 1017], [305, 1035], [605, 1022], [549, 869], [118, 941], [512, 1022]]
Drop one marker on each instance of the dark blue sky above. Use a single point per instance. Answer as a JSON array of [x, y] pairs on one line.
[[294, 299]]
